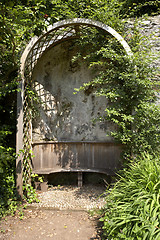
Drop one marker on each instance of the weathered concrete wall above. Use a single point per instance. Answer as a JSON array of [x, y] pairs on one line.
[[65, 116]]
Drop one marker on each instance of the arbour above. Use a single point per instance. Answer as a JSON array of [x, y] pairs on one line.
[[60, 31]]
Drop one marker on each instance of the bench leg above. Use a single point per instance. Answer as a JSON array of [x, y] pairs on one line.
[[80, 179], [44, 184]]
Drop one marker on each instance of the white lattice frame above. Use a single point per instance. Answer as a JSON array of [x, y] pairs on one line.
[[58, 32]]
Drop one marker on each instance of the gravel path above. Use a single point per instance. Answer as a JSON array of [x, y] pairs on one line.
[[72, 197]]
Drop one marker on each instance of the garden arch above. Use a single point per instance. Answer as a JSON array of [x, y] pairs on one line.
[[56, 34]]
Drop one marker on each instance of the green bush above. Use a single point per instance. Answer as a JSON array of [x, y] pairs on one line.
[[139, 8], [132, 210], [8, 199]]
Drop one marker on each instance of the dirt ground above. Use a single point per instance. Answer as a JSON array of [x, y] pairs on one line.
[[50, 224], [62, 213]]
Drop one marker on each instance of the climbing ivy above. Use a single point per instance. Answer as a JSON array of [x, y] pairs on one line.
[[128, 84]]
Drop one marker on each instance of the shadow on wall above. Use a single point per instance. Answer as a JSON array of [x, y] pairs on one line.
[[64, 116]]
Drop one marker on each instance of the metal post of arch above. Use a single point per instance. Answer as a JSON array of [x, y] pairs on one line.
[[55, 34]]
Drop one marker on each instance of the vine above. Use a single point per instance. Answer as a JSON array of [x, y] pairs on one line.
[[128, 84]]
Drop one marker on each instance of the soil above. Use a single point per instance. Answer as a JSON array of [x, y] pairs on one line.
[[44, 221], [50, 224]]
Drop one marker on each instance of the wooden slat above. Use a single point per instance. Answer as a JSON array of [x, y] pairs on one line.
[[76, 156]]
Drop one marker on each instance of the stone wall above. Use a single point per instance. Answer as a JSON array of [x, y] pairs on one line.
[[150, 28]]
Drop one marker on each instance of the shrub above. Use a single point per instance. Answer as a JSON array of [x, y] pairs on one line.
[[139, 8], [8, 199]]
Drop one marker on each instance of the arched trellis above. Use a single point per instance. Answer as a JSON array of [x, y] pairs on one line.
[[55, 34]]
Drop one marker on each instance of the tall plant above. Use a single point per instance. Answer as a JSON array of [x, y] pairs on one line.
[[132, 209]]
